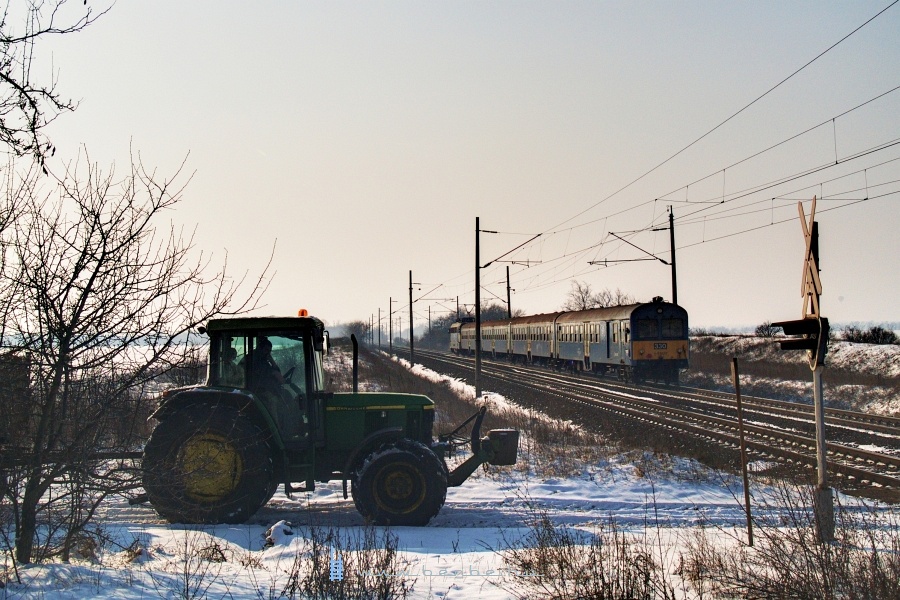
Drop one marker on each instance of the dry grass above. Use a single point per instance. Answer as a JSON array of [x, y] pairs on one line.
[[787, 560], [371, 567], [555, 561]]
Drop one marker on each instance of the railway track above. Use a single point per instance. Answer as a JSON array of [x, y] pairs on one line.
[[863, 451]]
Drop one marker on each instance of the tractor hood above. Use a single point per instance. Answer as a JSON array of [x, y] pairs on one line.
[[378, 401]]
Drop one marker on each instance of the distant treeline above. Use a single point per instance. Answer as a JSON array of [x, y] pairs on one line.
[[837, 327]]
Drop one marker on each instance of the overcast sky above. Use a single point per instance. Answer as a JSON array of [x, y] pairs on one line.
[[362, 139]]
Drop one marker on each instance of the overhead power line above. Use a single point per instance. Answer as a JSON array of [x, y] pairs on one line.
[[796, 176], [571, 255], [754, 101], [781, 143]]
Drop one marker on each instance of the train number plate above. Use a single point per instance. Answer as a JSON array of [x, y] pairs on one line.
[[660, 346]]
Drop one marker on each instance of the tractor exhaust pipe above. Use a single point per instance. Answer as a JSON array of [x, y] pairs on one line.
[[355, 363]]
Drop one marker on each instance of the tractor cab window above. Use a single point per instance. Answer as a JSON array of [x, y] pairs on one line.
[[277, 376], [228, 370], [279, 359]]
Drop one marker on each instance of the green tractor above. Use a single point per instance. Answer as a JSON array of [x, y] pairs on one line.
[[263, 417]]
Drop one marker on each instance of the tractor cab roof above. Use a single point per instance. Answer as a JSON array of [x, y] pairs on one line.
[[264, 323]]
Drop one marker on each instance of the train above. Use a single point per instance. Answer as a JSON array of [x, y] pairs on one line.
[[634, 342]]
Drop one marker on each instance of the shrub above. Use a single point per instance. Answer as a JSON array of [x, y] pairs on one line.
[[767, 330], [873, 335]]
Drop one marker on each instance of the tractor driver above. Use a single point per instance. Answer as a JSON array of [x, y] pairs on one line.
[[266, 373]]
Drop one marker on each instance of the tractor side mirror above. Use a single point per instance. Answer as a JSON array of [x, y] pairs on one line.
[[321, 342]]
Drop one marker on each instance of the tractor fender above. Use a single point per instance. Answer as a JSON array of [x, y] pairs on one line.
[[244, 402], [369, 443]]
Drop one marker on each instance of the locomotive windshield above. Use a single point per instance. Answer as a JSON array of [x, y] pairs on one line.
[[647, 329], [673, 328]]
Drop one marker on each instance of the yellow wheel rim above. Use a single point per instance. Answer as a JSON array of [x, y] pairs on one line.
[[399, 489], [398, 486], [211, 467]]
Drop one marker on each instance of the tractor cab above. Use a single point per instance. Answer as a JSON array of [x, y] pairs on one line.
[[279, 362]]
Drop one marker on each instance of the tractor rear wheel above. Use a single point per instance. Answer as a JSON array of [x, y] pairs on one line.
[[207, 464], [403, 483]]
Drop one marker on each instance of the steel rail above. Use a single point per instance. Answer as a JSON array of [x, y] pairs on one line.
[[839, 417], [764, 440], [875, 422]]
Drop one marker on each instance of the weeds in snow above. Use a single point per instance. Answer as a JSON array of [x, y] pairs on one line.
[[787, 561], [192, 570], [370, 566], [557, 561]]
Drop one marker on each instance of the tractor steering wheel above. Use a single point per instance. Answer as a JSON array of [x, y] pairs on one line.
[[287, 376]]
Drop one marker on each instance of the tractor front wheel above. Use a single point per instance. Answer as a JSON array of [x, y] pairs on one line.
[[401, 484], [207, 464]]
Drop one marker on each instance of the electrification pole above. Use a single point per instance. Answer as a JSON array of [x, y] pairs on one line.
[[412, 350], [508, 297], [477, 310], [672, 242]]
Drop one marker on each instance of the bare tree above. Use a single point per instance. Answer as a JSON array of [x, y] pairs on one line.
[[27, 105], [873, 335], [582, 297], [438, 337], [767, 330], [606, 298], [358, 328], [102, 298], [494, 311]]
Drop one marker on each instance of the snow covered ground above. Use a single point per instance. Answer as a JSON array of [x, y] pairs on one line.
[[869, 359], [881, 363], [660, 502], [454, 557]]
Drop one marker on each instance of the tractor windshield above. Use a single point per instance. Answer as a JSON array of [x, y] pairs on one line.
[[288, 358], [273, 361]]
